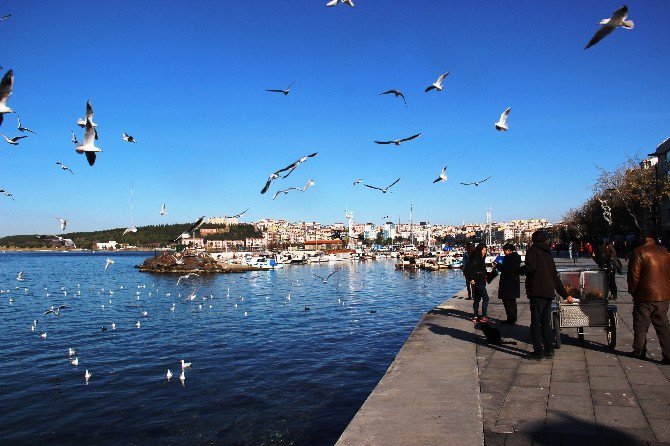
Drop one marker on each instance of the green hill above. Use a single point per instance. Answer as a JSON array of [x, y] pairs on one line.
[[153, 236]]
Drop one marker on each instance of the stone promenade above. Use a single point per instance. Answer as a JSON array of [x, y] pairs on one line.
[[448, 387]]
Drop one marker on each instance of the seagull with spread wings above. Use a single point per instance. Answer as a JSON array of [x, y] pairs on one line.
[[286, 92], [397, 94], [476, 183], [285, 191], [335, 2], [13, 141], [239, 215], [89, 116], [384, 190], [63, 223], [442, 177], [501, 125], [108, 262], [22, 128], [309, 184], [7, 194], [75, 141], [293, 166], [327, 277], [397, 142], [6, 87], [437, 85], [618, 19], [186, 277], [359, 180], [89, 147], [127, 138], [192, 228], [163, 209], [64, 167], [55, 311]]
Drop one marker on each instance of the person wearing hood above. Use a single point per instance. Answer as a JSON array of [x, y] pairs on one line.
[[541, 281], [509, 288]]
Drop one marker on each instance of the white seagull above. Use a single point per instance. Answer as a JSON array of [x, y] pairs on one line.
[[64, 167], [501, 125], [130, 229], [6, 87], [293, 166], [89, 115], [63, 223], [476, 183], [285, 191], [186, 277], [108, 262], [618, 19], [182, 377], [335, 2], [309, 184], [327, 277], [185, 365], [20, 277], [163, 209], [397, 142], [87, 376], [384, 190], [126, 137], [239, 215], [360, 180], [21, 128], [72, 352], [443, 176], [75, 141], [168, 374], [12, 141], [74, 361], [286, 92], [89, 147], [397, 94], [438, 83]]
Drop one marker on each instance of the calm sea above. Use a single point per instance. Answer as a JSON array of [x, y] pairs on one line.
[[266, 369]]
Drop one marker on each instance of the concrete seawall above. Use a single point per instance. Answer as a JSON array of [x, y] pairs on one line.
[[446, 386]]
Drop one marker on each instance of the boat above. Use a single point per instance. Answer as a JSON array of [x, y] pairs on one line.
[[407, 262], [263, 262]]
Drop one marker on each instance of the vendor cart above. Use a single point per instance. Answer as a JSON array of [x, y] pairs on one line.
[[592, 308]]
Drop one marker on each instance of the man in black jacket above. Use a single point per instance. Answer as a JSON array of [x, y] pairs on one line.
[[509, 288], [541, 281]]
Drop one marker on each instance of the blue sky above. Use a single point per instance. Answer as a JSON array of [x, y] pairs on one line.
[[188, 81]]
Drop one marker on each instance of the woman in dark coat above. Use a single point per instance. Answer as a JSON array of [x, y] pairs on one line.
[[612, 265], [509, 288], [475, 274]]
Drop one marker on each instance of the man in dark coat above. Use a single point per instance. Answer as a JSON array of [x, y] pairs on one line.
[[541, 282], [649, 284], [509, 287]]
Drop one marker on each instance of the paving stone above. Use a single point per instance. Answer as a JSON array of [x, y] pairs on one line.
[[614, 370], [530, 394], [532, 380], [656, 409], [610, 383], [523, 410], [569, 365], [563, 388], [530, 366], [652, 391], [661, 428], [603, 397], [559, 422], [620, 417], [567, 375], [570, 404], [627, 435]]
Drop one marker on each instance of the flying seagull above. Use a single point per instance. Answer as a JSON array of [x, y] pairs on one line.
[[55, 311], [6, 87], [108, 262], [20, 277], [63, 223], [309, 184], [7, 193], [359, 180], [285, 191], [438, 83], [5, 17], [21, 128], [335, 2], [75, 141], [89, 147], [163, 209], [328, 277], [193, 227], [379, 188], [126, 137], [397, 142], [186, 277], [286, 92], [131, 229], [13, 141], [397, 94], [501, 125], [618, 19], [239, 215], [443, 176], [293, 166], [89, 115], [64, 167], [476, 183]]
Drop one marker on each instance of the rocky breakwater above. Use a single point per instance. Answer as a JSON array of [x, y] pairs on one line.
[[168, 262]]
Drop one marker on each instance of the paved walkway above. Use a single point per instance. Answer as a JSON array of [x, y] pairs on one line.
[[447, 386]]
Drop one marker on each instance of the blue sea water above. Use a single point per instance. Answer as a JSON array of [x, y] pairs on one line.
[[281, 375]]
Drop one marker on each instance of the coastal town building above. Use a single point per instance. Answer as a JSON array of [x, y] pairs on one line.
[[661, 165]]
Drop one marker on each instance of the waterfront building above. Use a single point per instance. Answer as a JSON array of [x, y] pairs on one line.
[[662, 172]]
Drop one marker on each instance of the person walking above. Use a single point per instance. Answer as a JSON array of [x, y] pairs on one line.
[[466, 259], [649, 284], [612, 266], [509, 288], [475, 274], [541, 282]]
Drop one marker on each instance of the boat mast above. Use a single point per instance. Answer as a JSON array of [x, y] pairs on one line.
[[411, 233]]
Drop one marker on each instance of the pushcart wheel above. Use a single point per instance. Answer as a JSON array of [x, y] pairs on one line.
[[557, 330], [580, 335], [611, 331]]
